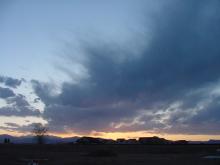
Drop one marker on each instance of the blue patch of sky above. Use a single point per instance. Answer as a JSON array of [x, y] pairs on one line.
[[32, 32]]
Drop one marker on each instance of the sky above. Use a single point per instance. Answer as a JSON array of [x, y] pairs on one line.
[[112, 69]]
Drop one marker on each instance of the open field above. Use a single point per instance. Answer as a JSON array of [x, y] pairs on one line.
[[109, 154]]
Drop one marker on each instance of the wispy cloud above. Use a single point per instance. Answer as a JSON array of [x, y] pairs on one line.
[[166, 84]]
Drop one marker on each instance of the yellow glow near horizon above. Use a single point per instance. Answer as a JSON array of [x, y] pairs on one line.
[[126, 135], [136, 135], [12, 133]]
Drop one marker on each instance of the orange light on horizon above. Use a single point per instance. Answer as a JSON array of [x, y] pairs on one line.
[[136, 135], [125, 135]]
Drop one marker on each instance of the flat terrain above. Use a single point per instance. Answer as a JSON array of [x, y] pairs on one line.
[[70, 154]]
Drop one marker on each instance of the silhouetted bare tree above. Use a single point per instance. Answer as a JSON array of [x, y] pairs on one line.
[[40, 132]]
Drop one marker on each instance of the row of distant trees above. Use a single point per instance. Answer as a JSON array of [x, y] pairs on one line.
[[141, 140]]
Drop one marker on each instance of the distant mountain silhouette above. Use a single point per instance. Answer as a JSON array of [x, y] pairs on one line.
[[90, 140], [31, 139], [211, 141]]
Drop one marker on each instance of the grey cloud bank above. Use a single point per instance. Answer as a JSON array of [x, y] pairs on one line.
[[157, 90], [6, 92], [171, 86], [10, 82], [17, 105], [14, 104]]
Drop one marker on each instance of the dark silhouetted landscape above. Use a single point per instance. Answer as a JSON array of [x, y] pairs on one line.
[[97, 151], [109, 82]]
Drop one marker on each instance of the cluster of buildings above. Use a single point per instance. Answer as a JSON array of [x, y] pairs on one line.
[[141, 140]]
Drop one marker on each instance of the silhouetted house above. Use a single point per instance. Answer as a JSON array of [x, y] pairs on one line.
[[153, 140], [108, 141], [121, 141], [180, 142], [89, 140], [131, 141]]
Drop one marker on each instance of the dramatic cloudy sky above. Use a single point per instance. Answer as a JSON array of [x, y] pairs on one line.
[[119, 68]]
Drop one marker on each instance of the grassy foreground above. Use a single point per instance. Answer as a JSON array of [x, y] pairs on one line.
[[70, 154]]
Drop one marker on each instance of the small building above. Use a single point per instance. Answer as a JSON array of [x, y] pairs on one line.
[[153, 140], [121, 141], [132, 141], [89, 140]]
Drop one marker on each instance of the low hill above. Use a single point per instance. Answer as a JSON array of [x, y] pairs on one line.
[[31, 139]]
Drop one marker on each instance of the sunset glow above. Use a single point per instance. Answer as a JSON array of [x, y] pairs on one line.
[[111, 69]]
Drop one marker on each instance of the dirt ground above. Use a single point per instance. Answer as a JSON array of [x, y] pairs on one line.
[[70, 154]]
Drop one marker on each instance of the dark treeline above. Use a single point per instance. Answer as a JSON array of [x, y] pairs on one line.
[[141, 140]]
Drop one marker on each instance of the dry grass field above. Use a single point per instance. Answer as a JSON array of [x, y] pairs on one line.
[[70, 154]]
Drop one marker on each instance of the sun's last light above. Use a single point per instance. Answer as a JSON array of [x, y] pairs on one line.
[[136, 135], [125, 135]]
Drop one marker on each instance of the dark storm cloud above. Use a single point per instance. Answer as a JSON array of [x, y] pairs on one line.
[[18, 106], [6, 92], [18, 111], [43, 90], [10, 82], [183, 56], [18, 100], [85, 119], [205, 121], [18, 128]]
